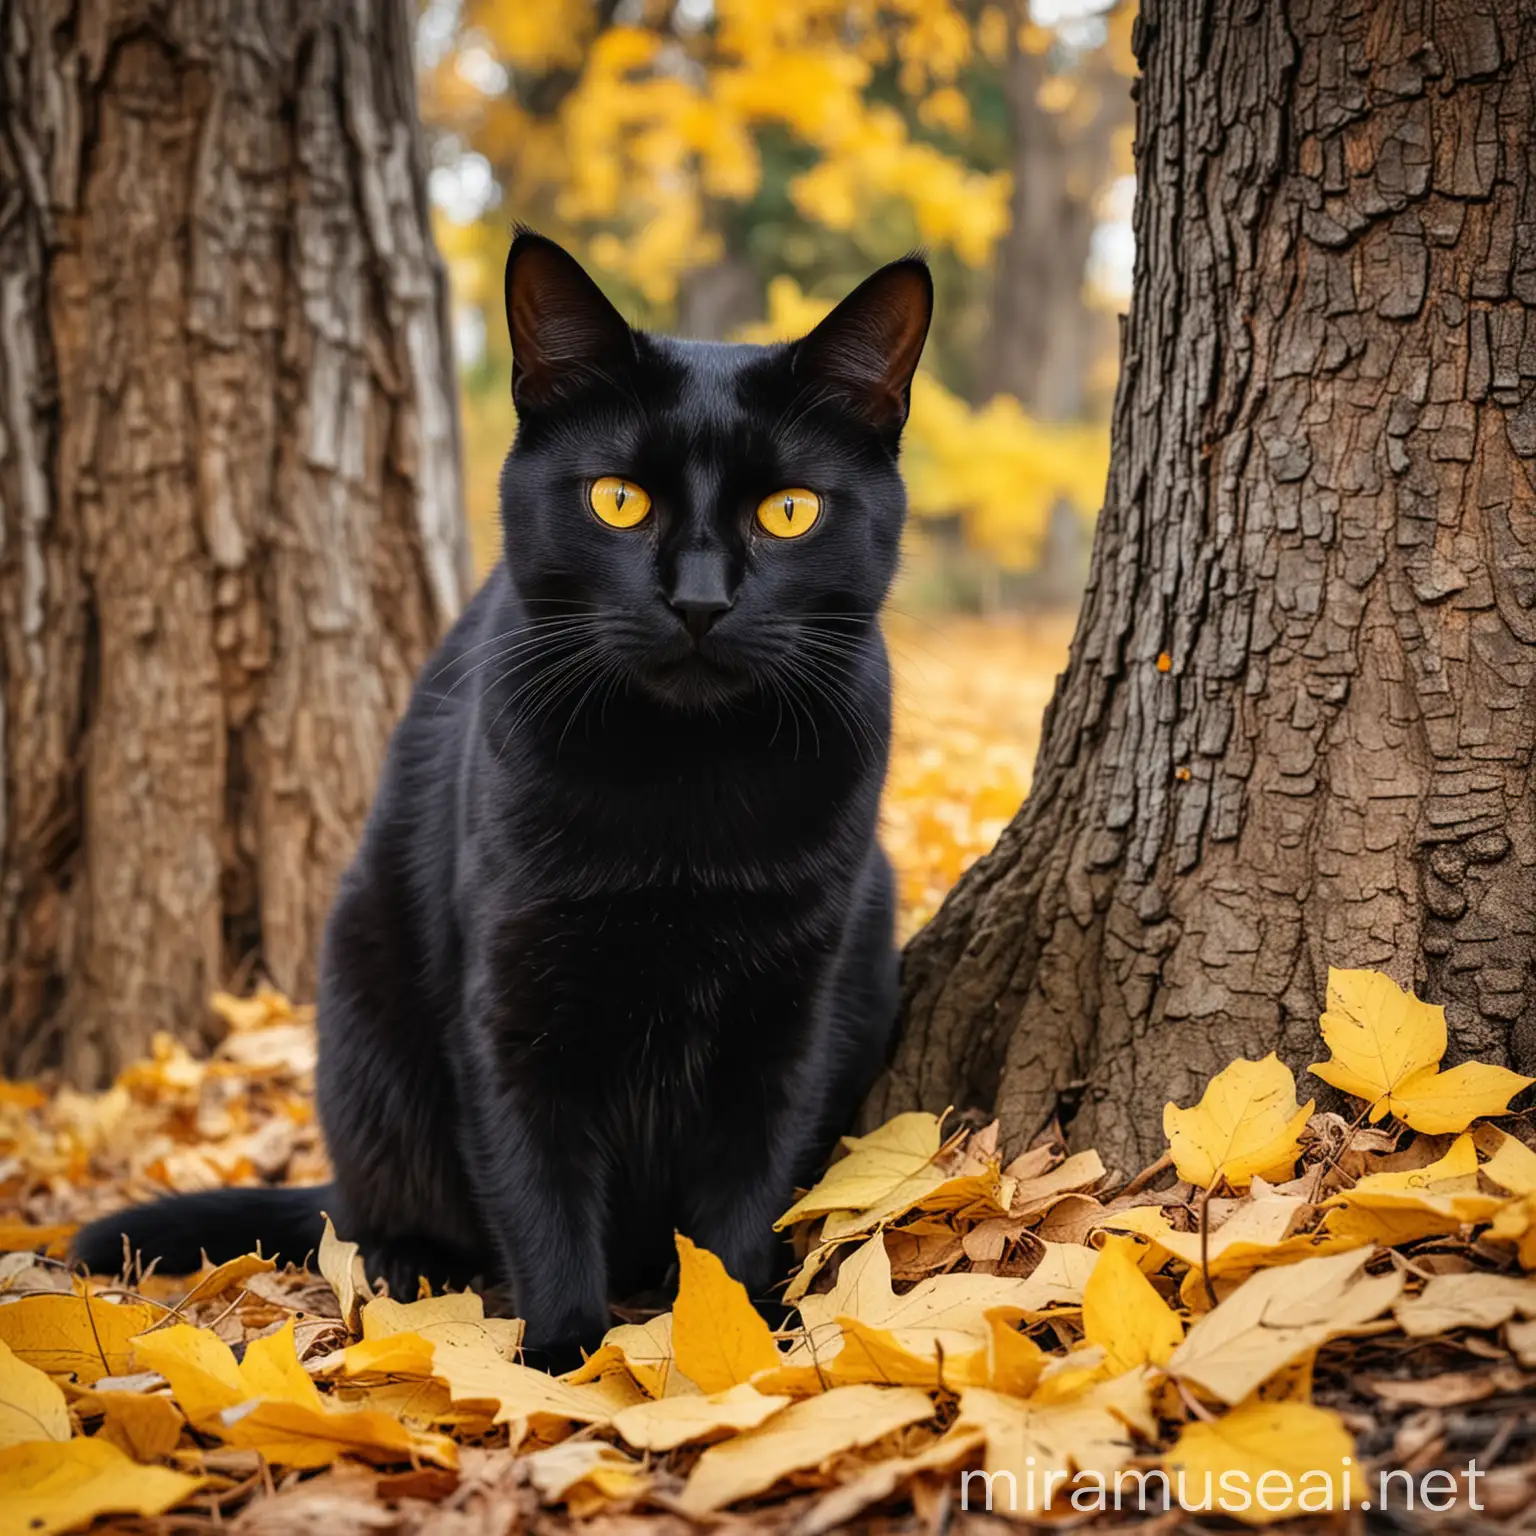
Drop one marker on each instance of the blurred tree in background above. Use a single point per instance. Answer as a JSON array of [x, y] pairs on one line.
[[731, 167]]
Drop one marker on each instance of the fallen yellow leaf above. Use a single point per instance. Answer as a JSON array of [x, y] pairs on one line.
[[1123, 1312], [1275, 1316], [644, 1350], [31, 1405], [836, 1510], [1515, 1222], [147, 1425], [457, 1319], [586, 1476], [23, 1237], [80, 1336], [901, 1151], [393, 1354], [1014, 1361], [204, 1376], [1246, 1123], [342, 1265], [1254, 1236], [268, 1403], [718, 1334], [807, 1434], [544, 1404], [227, 1276], [50, 1485], [1033, 1449], [1512, 1164], [1386, 1046], [903, 1338], [668, 1422], [1264, 1462], [1396, 1208]]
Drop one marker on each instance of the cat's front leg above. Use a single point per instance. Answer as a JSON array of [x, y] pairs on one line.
[[742, 1182], [543, 1208]]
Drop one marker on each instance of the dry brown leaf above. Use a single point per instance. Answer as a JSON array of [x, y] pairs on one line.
[[1450, 1389], [1473, 1300]]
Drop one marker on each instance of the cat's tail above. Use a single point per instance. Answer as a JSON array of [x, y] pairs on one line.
[[222, 1223]]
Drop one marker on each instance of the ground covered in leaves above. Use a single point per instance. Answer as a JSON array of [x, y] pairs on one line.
[[1294, 1315]]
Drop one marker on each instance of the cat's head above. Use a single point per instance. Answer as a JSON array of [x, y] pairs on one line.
[[704, 518]]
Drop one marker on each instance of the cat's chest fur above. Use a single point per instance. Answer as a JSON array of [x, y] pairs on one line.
[[693, 916]]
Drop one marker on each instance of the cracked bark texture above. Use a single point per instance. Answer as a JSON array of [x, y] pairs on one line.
[[232, 523], [1321, 516]]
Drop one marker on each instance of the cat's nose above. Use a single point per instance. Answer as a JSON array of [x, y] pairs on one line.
[[701, 592]]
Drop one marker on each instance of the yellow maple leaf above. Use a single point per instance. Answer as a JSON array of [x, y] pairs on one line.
[[1039, 1444], [531, 1401], [1221, 1466], [1386, 1045], [31, 1405], [1123, 1312], [719, 1336], [807, 1434], [1275, 1317], [1247, 1122], [51, 1485], [24, 1236]]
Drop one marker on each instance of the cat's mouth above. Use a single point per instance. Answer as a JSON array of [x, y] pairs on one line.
[[697, 673]]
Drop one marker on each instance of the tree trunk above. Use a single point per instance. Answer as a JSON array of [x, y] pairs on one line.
[[1043, 337], [1297, 725], [229, 482]]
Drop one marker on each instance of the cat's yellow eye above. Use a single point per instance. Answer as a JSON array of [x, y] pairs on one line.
[[788, 514], [619, 503]]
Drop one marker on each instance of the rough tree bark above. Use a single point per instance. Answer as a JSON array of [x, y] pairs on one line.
[[232, 524], [1297, 725]]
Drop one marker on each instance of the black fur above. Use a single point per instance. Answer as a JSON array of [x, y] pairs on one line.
[[615, 956]]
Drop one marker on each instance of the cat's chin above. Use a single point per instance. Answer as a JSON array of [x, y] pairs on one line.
[[694, 682]]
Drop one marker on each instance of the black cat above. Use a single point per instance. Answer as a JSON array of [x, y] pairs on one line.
[[615, 957]]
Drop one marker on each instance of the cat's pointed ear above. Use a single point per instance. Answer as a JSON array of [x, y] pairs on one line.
[[564, 332], [866, 350]]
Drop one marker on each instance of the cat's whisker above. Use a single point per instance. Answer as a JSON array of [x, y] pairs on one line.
[[599, 673], [537, 684], [547, 639]]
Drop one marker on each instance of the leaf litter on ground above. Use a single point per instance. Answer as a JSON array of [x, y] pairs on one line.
[[1290, 1292]]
